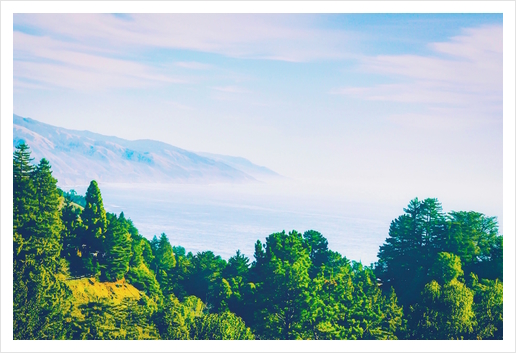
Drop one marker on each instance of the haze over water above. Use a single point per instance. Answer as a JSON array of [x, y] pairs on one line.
[[225, 218]]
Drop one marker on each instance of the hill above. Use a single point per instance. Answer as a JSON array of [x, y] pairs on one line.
[[77, 157]]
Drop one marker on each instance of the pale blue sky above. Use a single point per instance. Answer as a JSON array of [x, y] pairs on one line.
[[377, 106]]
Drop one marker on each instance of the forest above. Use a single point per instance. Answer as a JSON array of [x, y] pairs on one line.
[[80, 272]]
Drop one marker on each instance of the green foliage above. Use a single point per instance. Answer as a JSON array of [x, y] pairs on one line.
[[72, 197], [405, 258], [283, 295], [163, 264], [204, 277], [446, 267], [488, 307], [40, 298], [224, 326], [117, 250], [296, 288], [445, 312], [174, 320], [144, 279], [94, 235], [418, 237], [319, 252], [104, 320]]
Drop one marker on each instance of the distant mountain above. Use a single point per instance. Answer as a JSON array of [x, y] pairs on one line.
[[77, 157], [242, 164]]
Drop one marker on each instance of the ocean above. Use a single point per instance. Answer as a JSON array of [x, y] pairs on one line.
[[226, 218]]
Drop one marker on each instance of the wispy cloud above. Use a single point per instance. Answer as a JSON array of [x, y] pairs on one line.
[[276, 37], [56, 63], [105, 51], [193, 65], [462, 74]]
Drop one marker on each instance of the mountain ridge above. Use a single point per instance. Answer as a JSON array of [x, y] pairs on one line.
[[80, 156]]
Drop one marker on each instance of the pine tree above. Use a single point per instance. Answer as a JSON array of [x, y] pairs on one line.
[[95, 224], [409, 251], [283, 296], [40, 295], [163, 263], [117, 250], [24, 201], [72, 229]]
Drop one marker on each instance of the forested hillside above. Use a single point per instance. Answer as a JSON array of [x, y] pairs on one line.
[[83, 273]]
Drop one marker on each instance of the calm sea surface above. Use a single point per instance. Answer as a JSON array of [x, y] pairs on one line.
[[227, 218]]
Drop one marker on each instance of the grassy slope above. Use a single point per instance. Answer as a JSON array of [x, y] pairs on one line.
[[87, 290]]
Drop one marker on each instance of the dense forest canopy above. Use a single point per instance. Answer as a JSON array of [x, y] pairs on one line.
[[83, 273]]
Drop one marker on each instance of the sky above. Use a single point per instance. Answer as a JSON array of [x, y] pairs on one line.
[[380, 106]]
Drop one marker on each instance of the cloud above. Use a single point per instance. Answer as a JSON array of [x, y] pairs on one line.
[[82, 51], [56, 63], [464, 73], [193, 65], [272, 36]]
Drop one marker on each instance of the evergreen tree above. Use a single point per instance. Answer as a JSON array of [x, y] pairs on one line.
[[319, 252], [224, 326], [72, 227], [24, 200], [444, 312], [163, 264], [117, 249], [488, 307], [236, 274], [175, 320], [205, 278], [283, 296], [446, 308], [409, 251], [95, 225], [40, 296]]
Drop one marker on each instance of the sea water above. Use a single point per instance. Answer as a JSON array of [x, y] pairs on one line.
[[226, 218]]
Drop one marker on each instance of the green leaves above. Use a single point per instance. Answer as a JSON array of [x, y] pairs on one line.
[[40, 298], [445, 312], [117, 250], [446, 268], [296, 288]]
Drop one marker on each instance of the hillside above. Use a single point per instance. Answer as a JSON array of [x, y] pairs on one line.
[[77, 157], [86, 290]]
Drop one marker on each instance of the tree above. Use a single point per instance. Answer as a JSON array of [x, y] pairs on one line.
[[319, 252], [407, 254], [163, 264], [488, 307], [283, 296], [40, 299], [94, 235], [224, 326], [24, 201], [204, 277], [446, 268], [236, 275], [474, 237], [117, 249], [175, 320], [72, 228], [106, 320]]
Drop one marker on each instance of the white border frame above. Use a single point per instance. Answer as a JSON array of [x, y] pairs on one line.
[[509, 158]]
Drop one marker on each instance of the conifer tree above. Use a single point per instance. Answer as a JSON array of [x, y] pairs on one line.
[[117, 250], [40, 296], [283, 295], [163, 263], [24, 201], [95, 223]]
